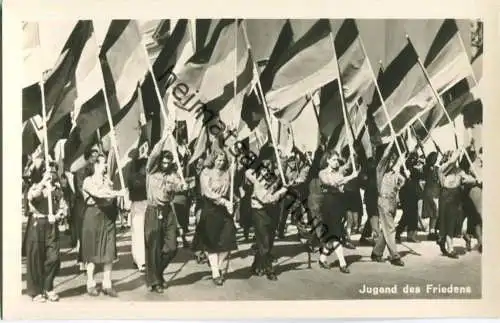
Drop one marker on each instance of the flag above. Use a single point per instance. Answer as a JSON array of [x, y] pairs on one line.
[[32, 62], [308, 64], [354, 67], [126, 57], [30, 138], [406, 92], [91, 117], [60, 75], [356, 116], [252, 112], [450, 72], [128, 131], [330, 112]]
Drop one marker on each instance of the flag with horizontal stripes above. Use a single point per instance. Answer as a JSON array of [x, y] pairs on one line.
[[91, 117], [406, 92], [451, 75], [354, 67], [127, 129], [126, 57], [60, 75], [308, 64]]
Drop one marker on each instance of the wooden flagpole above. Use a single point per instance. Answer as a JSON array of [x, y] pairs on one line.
[[266, 110], [344, 111], [382, 101], [440, 102], [110, 122], [168, 132], [46, 142]]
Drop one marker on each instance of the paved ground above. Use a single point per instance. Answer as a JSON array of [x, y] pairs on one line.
[[191, 281]]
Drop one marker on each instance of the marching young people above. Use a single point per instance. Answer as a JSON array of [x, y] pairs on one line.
[[42, 233], [215, 232]]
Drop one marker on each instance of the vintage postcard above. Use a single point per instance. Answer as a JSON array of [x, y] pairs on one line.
[[178, 162]]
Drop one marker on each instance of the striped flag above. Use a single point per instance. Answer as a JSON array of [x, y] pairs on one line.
[[406, 92], [308, 64], [60, 75], [451, 74], [126, 57]]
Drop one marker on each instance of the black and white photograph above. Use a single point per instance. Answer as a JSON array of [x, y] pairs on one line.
[[250, 159]]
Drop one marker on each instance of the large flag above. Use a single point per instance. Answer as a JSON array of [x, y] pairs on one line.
[[60, 75], [91, 117], [128, 128], [126, 57], [354, 67], [30, 138], [252, 112], [406, 92], [451, 74], [356, 115], [308, 64], [330, 112]]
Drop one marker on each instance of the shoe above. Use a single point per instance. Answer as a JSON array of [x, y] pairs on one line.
[[345, 270], [452, 255], [156, 289], [349, 245], [323, 265], [39, 299], [272, 276], [442, 247], [142, 269], [164, 285], [397, 262], [218, 281], [52, 296], [376, 258], [111, 292], [93, 291], [468, 244]]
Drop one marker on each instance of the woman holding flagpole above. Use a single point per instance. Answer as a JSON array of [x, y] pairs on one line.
[[216, 233], [99, 228], [452, 178], [332, 181]]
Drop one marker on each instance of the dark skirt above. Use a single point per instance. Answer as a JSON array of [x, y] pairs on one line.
[[333, 214], [99, 235], [450, 207], [216, 231], [353, 202], [429, 209]]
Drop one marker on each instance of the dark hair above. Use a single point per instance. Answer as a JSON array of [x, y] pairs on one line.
[[91, 167], [89, 153], [327, 155]]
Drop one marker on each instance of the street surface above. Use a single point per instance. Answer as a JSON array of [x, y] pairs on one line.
[[191, 281]]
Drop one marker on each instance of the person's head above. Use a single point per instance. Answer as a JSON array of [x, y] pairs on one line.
[[99, 167], [218, 160], [431, 159], [91, 155], [293, 161], [167, 161], [333, 160], [446, 156]]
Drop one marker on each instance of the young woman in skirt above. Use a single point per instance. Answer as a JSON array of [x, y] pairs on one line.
[[332, 180], [216, 233], [452, 178], [99, 229]]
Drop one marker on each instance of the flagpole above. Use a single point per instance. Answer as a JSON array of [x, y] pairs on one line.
[[430, 135], [235, 84], [379, 93], [112, 134], [440, 102], [46, 143], [344, 110], [165, 117], [419, 143], [266, 111]]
